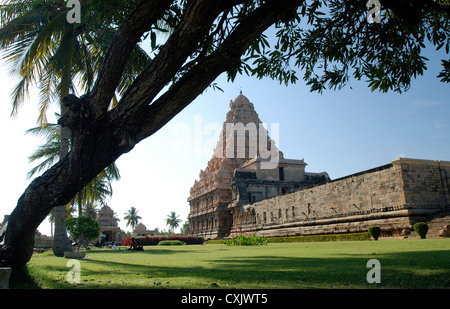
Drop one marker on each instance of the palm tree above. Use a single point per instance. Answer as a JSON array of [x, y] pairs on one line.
[[185, 228], [45, 50], [90, 211], [132, 217], [173, 221]]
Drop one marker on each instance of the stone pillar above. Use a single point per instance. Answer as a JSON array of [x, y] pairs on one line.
[[5, 274]]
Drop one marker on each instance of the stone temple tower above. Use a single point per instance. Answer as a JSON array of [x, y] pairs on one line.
[[246, 167], [239, 141]]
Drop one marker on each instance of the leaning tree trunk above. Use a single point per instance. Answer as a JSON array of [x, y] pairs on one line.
[[55, 187]]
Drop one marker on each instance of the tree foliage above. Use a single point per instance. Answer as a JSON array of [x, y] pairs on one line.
[[46, 51], [173, 221], [331, 41], [83, 228], [132, 217]]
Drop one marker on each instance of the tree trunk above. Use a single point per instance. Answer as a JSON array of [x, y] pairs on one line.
[[61, 242]]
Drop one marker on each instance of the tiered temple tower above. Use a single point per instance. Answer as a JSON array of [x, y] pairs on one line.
[[246, 167], [210, 195]]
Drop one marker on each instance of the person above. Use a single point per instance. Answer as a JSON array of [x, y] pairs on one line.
[[103, 239], [134, 244]]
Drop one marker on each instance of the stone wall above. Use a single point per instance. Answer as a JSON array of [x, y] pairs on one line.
[[426, 183], [393, 196], [42, 242]]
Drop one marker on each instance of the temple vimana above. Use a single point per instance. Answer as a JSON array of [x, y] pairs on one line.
[[249, 185]]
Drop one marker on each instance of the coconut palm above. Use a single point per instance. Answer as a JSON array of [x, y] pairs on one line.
[[132, 217], [173, 221], [44, 49]]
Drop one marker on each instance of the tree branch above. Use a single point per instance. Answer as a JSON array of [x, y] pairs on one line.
[[129, 34], [226, 57], [193, 28]]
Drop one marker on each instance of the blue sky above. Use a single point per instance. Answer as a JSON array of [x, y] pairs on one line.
[[340, 132]]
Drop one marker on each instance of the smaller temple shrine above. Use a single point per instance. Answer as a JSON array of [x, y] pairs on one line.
[[141, 230], [108, 225]]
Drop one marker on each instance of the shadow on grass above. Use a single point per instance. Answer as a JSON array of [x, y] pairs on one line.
[[398, 270], [23, 279]]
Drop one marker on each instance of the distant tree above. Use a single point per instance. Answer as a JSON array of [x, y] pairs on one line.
[[82, 229], [132, 217], [172, 221], [90, 211], [185, 228]]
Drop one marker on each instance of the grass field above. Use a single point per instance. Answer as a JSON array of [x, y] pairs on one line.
[[415, 263]]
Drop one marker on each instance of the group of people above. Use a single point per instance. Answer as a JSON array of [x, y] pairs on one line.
[[134, 246]]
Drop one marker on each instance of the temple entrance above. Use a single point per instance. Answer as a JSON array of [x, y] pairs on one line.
[[109, 235]]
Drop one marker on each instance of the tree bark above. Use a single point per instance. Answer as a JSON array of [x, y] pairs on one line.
[[99, 137]]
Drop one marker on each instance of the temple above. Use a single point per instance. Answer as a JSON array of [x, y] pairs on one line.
[[108, 225], [246, 167], [249, 185]]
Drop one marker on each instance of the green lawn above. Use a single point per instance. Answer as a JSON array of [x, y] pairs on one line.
[[417, 263]]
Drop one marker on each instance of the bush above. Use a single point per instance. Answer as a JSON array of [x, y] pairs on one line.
[[246, 240], [375, 231], [421, 229], [310, 238], [170, 243], [319, 238]]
